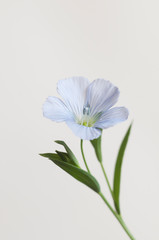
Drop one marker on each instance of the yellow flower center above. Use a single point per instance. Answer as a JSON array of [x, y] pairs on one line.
[[86, 119]]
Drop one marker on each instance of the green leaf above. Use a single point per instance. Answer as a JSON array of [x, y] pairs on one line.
[[65, 157], [97, 147], [117, 171], [74, 171], [61, 156], [71, 156], [51, 156]]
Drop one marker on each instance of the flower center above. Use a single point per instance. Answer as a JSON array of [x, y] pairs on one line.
[[86, 119]]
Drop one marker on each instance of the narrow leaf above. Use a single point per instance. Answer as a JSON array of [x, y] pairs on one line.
[[69, 152], [51, 156], [96, 143], [117, 171], [75, 172], [65, 157]]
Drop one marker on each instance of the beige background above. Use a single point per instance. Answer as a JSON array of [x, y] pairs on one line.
[[42, 42]]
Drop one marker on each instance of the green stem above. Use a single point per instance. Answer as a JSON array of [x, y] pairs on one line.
[[118, 217], [84, 156], [106, 178]]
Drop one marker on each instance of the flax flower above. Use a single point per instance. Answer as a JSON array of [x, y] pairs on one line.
[[85, 107]]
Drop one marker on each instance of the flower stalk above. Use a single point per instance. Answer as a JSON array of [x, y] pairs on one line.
[[84, 157], [117, 216], [106, 178], [115, 213]]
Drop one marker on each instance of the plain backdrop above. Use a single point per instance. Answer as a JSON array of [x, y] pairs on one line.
[[40, 43]]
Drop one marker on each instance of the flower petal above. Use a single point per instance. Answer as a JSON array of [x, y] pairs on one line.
[[73, 91], [85, 133], [112, 117], [55, 109], [101, 95]]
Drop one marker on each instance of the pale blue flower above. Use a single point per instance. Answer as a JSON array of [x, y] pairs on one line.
[[85, 107]]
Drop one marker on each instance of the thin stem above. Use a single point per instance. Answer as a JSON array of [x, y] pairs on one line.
[[118, 217], [106, 178], [84, 156]]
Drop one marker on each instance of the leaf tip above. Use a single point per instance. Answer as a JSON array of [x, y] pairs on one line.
[[41, 154], [59, 141]]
